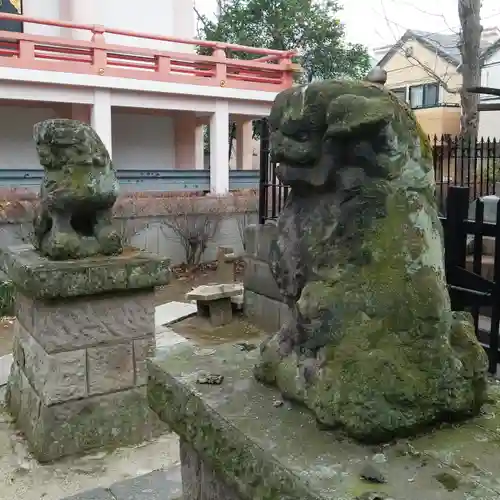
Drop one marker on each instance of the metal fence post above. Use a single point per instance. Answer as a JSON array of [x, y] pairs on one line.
[[455, 236], [264, 170]]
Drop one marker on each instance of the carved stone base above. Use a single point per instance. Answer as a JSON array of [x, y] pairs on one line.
[[72, 427], [79, 372]]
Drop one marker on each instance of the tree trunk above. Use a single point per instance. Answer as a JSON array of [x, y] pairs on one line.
[[232, 138], [470, 50]]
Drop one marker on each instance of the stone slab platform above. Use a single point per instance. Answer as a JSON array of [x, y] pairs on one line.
[[259, 447], [157, 485], [43, 279]]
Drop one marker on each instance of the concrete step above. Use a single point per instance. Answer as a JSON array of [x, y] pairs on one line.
[[157, 485]]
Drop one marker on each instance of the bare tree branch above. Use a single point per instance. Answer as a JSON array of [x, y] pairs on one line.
[[441, 80], [200, 17]]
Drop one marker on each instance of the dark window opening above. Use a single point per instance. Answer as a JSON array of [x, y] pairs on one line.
[[424, 96]]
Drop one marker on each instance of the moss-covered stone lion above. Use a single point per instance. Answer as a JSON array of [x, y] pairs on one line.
[[79, 189], [373, 346]]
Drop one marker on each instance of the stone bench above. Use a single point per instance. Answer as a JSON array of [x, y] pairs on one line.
[[214, 301]]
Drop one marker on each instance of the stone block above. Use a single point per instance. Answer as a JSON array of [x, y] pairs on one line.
[[199, 480], [262, 311], [55, 377], [97, 494], [250, 240], [143, 349], [258, 238], [267, 234], [258, 279], [157, 485], [238, 433], [220, 312], [40, 278], [73, 427], [87, 321], [110, 368]]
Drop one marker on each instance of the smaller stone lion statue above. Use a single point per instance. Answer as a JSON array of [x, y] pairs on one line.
[[79, 189], [373, 346]]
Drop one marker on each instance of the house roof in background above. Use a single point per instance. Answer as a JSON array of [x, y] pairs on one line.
[[445, 45]]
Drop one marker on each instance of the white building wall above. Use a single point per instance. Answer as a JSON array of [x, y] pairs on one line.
[[489, 121], [48, 9], [16, 135], [159, 17], [142, 141]]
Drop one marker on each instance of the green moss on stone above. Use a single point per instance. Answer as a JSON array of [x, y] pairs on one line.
[[374, 346]]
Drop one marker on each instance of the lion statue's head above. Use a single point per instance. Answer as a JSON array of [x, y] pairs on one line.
[[334, 134]]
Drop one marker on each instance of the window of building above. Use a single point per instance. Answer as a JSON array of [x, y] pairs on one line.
[[400, 93], [424, 96]]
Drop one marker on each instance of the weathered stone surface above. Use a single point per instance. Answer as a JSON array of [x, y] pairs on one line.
[[76, 426], [215, 292], [97, 494], [263, 450], [87, 321], [225, 265], [55, 377], [373, 346], [157, 485], [258, 239], [259, 279], [199, 481], [220, 312], [80, 187], [110, 368], [143, 349], [43, 279], [263, 311]]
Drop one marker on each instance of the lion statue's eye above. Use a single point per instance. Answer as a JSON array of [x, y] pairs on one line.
[[302, 136]]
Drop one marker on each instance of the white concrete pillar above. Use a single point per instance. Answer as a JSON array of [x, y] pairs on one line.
[[185, 137], [244, 146], [199, 147], [219, 149], [100, 117], [81, 13]]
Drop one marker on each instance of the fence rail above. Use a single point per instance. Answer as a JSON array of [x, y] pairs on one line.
[[141, 180]]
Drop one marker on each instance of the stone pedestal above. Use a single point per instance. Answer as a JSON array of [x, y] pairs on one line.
[[84, 330], [225, 265], [241, 441]]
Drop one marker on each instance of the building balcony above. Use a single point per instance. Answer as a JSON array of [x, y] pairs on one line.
[[91, 50]]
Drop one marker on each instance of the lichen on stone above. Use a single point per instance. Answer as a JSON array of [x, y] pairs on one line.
[[373, 345], [78, 191]]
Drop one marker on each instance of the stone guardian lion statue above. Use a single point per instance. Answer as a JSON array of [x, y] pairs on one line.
[[373, 346]]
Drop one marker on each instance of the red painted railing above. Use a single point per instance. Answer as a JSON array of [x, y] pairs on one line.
[[272, 71]]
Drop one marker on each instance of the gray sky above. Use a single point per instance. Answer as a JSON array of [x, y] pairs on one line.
[[381, 22]]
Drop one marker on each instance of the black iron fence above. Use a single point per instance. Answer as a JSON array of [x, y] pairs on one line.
[[457, 162], [472, 264]]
